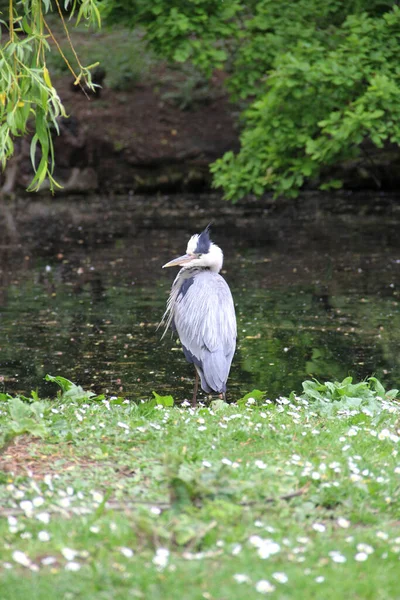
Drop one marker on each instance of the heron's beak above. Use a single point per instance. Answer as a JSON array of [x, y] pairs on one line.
[[181, 260]]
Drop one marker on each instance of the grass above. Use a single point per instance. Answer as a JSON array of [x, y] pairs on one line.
[[296, 498]]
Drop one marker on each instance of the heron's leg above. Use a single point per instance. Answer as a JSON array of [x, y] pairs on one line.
[[196, 386]]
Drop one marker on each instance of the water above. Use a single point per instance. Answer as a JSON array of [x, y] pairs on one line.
[[82, 291]]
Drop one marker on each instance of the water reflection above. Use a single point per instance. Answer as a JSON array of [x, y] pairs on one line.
[[85, 302]]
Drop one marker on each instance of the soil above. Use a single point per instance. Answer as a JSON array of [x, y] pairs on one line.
[[122, 141]]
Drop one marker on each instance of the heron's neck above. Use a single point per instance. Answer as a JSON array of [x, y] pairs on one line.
[[187, 272]]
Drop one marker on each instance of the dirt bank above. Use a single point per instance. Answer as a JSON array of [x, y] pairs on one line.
[[134, 140]]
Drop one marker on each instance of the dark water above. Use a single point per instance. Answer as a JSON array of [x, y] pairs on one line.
[[316, 290]]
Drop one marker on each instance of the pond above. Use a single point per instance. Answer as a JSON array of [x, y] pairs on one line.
[[315, 284]]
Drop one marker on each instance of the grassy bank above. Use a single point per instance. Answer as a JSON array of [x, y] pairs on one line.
[[297, 498]]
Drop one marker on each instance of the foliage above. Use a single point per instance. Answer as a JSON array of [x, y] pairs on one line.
[[187, 87], [318, 79], [253, 397], [28, 99], [24, 419], [129, 61], [72, 392], [366, 396], [162, 400], [143, 504]]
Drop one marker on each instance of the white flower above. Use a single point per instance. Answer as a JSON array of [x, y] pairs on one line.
[[361, 556], [280, 577], [27, 507], [64, 502], [269, 529], [260, 464], [97, 497], [123, 425], [343, 523], [319, 527], [161, 557], [206, 464], [48, 481], [94, 529], [44, 517], [256, 540], [127, 552], [226, 461], [237, 548], [38, 501], [43, 536], [240, 578], [352, 431], [267, 548], [365, 548], [155, 510], [21, 558], [320, 579], [384, 434], [302, 539], [69, 553], [48, 560], [72, 566], [382, 535], [264, 587], [337, 557]]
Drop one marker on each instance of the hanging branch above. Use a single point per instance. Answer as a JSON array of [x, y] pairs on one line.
[[27, 93]]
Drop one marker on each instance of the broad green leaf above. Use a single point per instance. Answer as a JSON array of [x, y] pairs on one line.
[[163, 400], [256, 395], [65, 384]]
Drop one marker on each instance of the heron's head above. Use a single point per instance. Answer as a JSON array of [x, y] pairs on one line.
[[200, 252]]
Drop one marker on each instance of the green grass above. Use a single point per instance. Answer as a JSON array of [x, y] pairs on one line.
[[302, 493]]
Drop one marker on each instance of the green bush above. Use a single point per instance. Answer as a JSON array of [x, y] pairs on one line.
[[318, 79], [127, 64]]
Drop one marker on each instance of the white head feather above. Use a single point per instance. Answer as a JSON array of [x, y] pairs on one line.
[[213, 259]]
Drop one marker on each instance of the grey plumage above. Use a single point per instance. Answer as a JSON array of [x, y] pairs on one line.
[[200, 308]]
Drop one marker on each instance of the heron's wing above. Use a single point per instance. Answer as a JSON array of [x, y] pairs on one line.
[[205, 320], [168, 316]]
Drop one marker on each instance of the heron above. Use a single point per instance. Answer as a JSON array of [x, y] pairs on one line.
[[200, 309]]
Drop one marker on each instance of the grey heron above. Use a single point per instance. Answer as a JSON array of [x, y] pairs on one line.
[[200, 309]]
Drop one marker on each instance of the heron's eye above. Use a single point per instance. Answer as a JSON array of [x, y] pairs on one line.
[[199, 255]]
